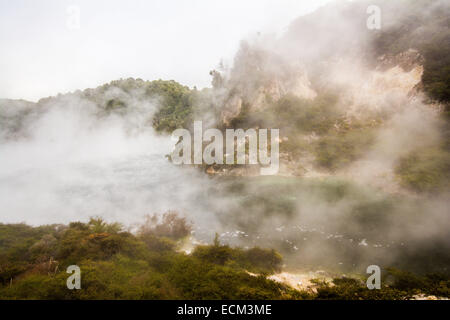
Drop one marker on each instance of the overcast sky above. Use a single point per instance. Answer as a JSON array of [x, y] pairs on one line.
[[44, 52]]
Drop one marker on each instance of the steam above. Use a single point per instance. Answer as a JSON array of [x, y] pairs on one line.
[[71, 157], [331, 50]]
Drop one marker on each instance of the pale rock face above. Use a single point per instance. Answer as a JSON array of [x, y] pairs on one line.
[[426, 297], [381, 87], [231, 109], [394, 78], [275, 90], [406, 60], [298, 85], [301, 281], [364, 89], [302, 88], [392, 86], [398, 79]]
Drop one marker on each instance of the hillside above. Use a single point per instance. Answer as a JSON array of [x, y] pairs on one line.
[[364, 172], [119, 265]]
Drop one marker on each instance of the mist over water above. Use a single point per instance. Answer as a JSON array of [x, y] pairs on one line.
[[68, 162], [66, 159]]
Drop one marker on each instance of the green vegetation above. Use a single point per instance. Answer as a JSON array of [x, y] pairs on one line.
[[336, 142], [427, 32], [117, 264], [396, 285], [175, 102], [436, 76], [255, 260], [425, 170], [276, 207], [176, 105], [148, 263], [294, 114], [337, 151], [302, 115]]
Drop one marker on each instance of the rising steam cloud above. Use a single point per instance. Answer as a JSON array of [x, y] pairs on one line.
[[67, 159]]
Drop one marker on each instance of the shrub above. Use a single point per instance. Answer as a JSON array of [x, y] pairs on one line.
[[425, 170], [170, 225]]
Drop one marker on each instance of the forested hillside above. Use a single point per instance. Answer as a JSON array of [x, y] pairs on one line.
[[364, 172]]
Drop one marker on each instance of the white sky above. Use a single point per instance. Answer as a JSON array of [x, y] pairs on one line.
[[149, 39]]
